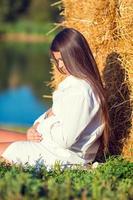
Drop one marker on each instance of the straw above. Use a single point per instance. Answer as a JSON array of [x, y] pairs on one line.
[[107, 26]]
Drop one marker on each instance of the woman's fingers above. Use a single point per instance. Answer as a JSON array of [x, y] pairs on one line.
[[50, 112], [36, 125], [36, 133], [36, 139], [36, 136], [33, 134]]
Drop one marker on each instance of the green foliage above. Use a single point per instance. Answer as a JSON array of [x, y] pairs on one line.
[[112, 179], [24, 16], [28, 27], [39, 11], [9, 9]]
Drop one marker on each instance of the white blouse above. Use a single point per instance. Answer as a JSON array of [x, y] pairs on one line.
[[76, 126]]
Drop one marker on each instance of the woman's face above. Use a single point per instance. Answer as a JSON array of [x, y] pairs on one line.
[[59, 61]]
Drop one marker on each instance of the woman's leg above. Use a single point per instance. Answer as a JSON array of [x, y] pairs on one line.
[[3, 146], [11, 136]]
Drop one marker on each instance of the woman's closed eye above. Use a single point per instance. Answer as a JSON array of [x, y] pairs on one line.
[[56, 61]]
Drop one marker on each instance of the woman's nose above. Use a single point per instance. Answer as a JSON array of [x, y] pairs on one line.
[[60, 64]]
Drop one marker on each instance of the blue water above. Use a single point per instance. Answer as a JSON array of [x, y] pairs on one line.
[[19, 106]]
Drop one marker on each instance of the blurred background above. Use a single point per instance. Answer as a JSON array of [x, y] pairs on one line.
[[25, 37]]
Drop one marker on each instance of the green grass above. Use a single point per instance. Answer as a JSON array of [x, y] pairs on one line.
[[110, 180]]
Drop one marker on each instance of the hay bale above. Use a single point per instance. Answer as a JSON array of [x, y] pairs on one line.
[[107, 25]]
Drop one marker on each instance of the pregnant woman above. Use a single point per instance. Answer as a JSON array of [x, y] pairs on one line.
[[77, 125]]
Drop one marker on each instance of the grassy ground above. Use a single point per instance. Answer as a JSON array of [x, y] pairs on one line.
[[110, 180]]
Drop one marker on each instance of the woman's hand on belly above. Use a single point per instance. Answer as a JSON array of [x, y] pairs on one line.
[[33, 135], [49, 113]]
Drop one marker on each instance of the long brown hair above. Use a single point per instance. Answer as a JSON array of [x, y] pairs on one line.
[[79, 62]]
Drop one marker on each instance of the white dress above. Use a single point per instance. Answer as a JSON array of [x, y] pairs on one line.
[[71, 136]]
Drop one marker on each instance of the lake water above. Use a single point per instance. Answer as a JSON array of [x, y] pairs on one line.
[[20, 106], [24, 72]]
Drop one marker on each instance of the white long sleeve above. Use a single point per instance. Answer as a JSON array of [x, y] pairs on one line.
[[72, 112], [40, 118]]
